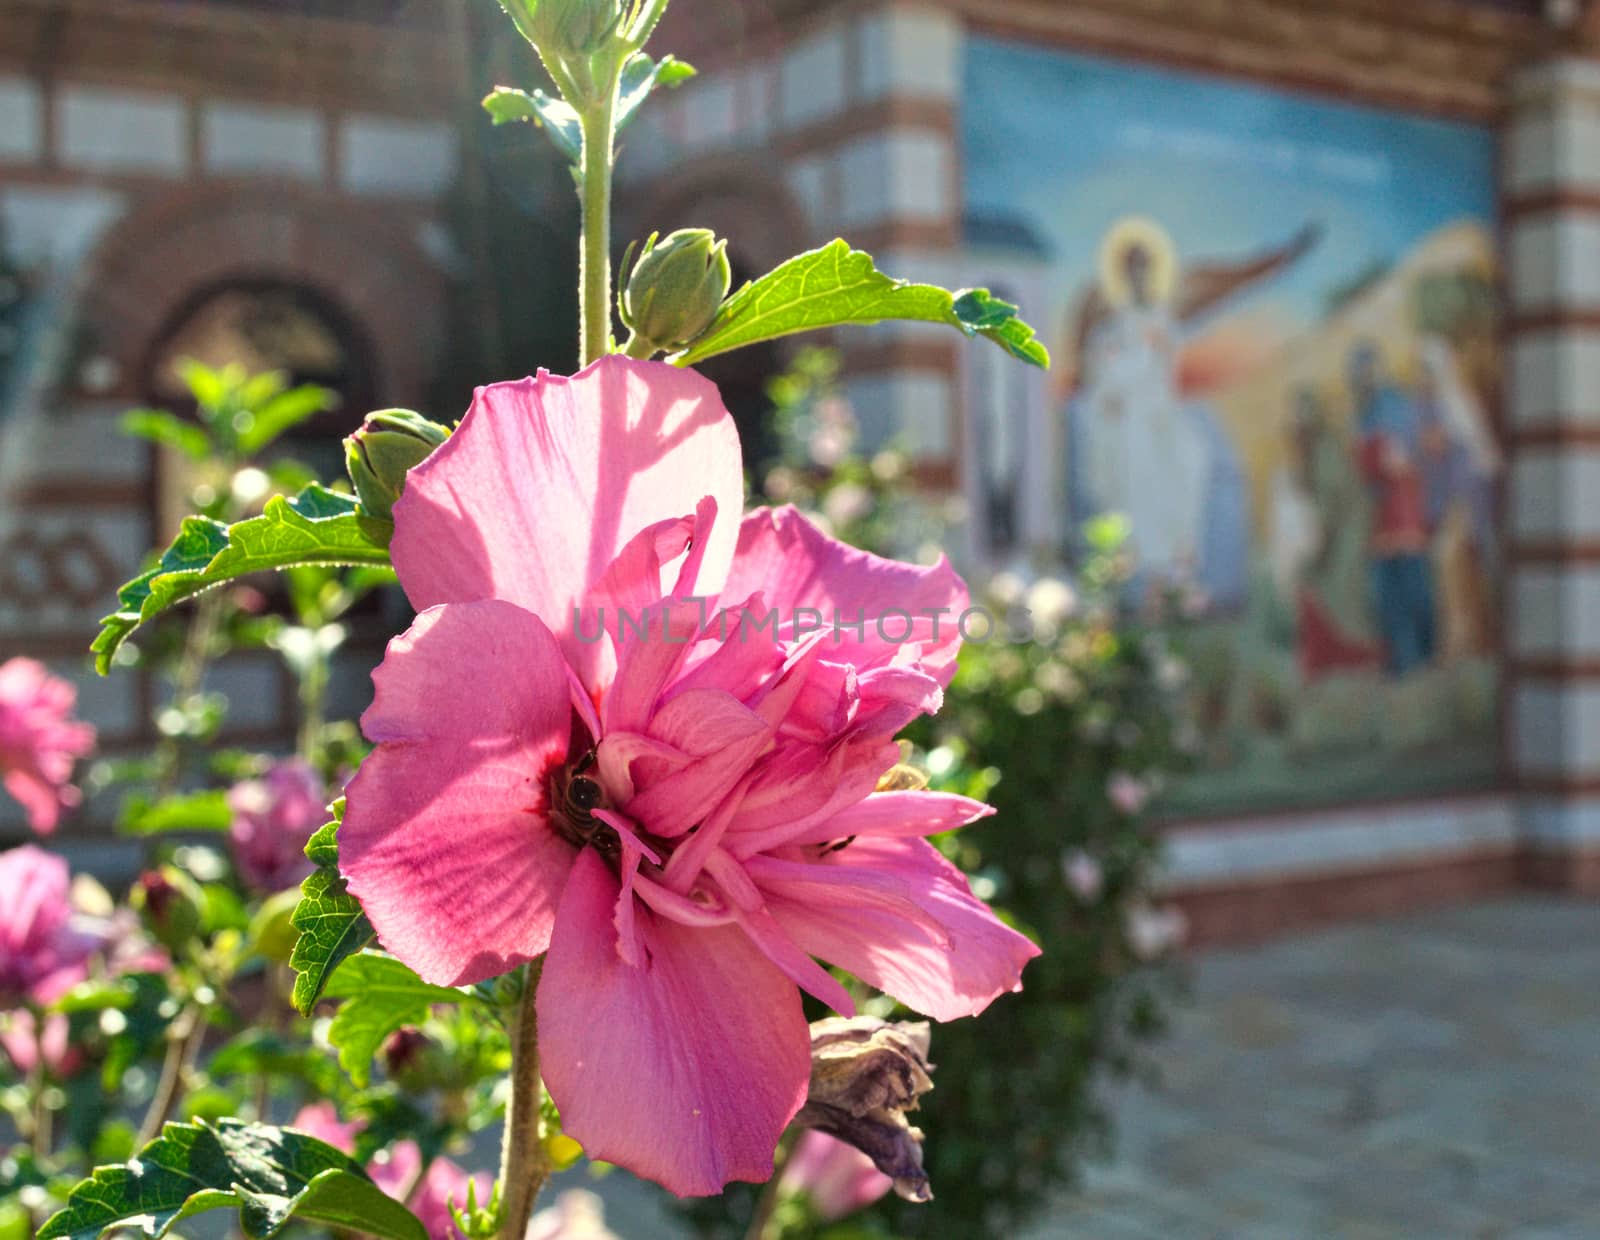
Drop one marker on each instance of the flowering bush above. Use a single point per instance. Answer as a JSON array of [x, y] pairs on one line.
[[1066, 719], [633, 785]]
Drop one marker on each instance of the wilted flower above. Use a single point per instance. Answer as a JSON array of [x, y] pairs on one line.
[[836, 1178], [43, 952], [865, 1075], [39, 741], [1127, 792], [681, 820], [1083, 874], [273, 817]]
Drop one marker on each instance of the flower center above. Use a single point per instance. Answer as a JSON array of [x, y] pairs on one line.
[[575, 795]]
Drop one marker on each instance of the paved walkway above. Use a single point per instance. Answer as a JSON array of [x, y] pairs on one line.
[[1433, 1078]]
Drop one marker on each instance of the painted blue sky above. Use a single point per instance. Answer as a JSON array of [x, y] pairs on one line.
[[1072, 143]]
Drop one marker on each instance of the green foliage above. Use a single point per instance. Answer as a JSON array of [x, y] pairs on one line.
[[836, 285], [192, 811], [318, 526], [641, 76], [331, 923], [159, 426], [272, 1176], [380, 996]]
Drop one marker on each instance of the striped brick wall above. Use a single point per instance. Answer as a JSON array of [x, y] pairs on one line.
[[1552, 220]]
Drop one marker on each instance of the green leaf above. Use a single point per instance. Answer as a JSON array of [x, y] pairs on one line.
[[270, 1175], [556, 117], [159, 426], [331, 923], [380, 995], [318, 526], [193, 811], [282, 413], [640, 78], [836, 285]]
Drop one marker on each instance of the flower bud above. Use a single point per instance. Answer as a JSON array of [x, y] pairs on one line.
[[389, 444], [168, 901], [676, 288], [566, 28]]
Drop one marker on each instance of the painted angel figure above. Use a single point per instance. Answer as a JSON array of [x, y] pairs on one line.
[[1140, 444]]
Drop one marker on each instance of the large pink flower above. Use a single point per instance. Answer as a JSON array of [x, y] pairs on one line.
[[39, 741], [43, 951], [684, 818], [273, 817]]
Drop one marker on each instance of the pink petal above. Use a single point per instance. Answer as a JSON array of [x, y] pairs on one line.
[[445, 839], [797, 565], [685, 1070], [957, 972], [547, 479], [896, 814]]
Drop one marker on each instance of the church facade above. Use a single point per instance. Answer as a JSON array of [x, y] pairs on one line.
[[1322, 284]]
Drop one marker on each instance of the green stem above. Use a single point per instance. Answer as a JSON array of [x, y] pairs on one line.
[[183, 1048], [594, 272], [524, 1166], [640, 348]]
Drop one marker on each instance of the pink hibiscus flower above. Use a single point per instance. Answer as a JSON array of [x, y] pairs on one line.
[[43, 951], [444, 1183], [837, 1178], [273, 817], [39, 741], [684, 818], [321, 1120], [22, 1043]]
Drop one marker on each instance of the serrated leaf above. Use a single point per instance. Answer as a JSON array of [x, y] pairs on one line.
[[642, 76], [159, 426], [192, 811], [330, 920], [317, 526], [380, 996], [835, 286], [271, 1175], [555, 116]]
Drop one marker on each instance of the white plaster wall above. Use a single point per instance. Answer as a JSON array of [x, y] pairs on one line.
[[255, 139], [383, 156], [108, 130], [21, 119]]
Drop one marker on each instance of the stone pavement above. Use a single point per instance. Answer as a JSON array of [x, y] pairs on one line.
[[1432, 1078]]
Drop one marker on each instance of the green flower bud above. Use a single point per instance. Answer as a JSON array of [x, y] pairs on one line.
[[676, 288], [567, 28], [168, 903], [389, 444]]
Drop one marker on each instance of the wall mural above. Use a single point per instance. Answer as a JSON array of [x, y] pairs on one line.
[[1277, 357]]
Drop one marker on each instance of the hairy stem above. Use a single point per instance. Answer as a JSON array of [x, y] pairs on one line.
[[594, 270], [524, 1167]]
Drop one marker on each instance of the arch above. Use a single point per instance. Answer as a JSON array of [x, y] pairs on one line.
[[357, 257], [736, 197]]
